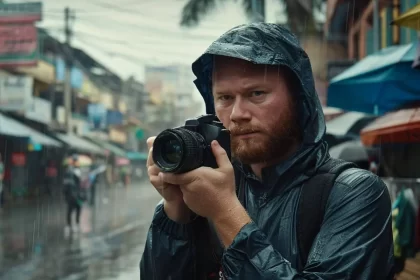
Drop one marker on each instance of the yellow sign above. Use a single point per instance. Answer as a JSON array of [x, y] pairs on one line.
[[43, 72], [90, 90], [117, 136]]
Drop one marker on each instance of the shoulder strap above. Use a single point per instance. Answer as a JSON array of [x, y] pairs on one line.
[[312, 203]]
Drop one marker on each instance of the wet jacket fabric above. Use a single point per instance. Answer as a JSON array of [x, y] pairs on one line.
[[72, 184], [355, 240]]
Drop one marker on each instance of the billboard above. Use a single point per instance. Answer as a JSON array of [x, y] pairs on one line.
[[18, 34], [16, 93]]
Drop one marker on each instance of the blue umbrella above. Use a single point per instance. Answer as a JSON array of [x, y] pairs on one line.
[[379, 83]]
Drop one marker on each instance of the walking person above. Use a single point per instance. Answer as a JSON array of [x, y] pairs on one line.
[[74, 195]]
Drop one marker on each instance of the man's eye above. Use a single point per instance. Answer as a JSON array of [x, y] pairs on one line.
[[225, 97], [257, 93]]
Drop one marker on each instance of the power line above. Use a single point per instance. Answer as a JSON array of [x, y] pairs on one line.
[[137, 48]]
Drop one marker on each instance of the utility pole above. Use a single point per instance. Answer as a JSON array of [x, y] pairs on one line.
[[376, 25], [258, 10], [68, 16]]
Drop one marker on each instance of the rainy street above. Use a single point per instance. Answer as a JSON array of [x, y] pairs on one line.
[[109, 246]]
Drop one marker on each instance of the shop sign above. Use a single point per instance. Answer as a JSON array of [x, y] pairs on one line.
[[18, 159], [117, 136], [97, 114], [18, 34], [114, 117], [16, 93], [40, 110]]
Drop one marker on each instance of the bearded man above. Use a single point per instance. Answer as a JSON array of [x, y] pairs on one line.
[[282, 209]]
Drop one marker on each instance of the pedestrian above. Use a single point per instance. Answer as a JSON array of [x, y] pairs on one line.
[[1, 183], [93, 180], [282, 208], [73, 193]]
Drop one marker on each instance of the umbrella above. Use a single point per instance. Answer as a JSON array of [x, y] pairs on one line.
[[83, 160], [410, 19], [379, 83], [352, 151]]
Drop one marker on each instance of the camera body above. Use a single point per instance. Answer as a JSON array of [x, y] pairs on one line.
[[182, 149]]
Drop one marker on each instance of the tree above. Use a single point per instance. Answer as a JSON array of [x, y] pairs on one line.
[[300, 16]]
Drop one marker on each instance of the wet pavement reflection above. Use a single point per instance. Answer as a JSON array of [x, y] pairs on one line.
[[109, 246]]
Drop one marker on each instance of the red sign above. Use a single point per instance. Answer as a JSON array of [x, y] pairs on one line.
[[18, 159], [18, 38]]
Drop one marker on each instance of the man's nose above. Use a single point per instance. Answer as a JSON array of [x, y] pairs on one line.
[[240, 111]]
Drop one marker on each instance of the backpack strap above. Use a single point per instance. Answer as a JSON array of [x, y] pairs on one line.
[[312, 204]]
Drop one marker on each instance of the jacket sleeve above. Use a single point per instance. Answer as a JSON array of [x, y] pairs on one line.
[[169, 250], [355, 240]]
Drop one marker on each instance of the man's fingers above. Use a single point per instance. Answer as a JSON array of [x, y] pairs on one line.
[[178, 179], [155, 180], [220, 154], [150, 141], [150, 161]]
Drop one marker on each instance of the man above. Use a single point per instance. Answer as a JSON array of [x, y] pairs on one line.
[[258, 81], [73, 194]]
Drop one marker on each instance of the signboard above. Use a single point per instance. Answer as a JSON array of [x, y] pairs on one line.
[[76, 75], [18, 34], [22, 12], [97, 116], [114, 117], [117, 136], [40, 110], [16, 93]]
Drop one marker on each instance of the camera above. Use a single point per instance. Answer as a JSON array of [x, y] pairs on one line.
[[182, 149]]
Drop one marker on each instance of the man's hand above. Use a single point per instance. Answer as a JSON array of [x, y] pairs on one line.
[[211, 193], [174, 205]]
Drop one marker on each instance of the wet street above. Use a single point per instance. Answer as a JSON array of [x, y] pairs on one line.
[[109, 246]]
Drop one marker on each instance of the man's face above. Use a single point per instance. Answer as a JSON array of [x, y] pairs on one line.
[[254, 103]]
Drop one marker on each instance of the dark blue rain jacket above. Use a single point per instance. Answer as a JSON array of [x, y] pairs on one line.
[[355, 240]]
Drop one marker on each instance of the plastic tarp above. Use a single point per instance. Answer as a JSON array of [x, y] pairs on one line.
[[9, 126], [79, 143], [341, 125], [379, 83], [401, 126], [137, 156]]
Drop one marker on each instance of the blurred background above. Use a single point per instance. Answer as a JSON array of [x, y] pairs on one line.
[[96, 78]]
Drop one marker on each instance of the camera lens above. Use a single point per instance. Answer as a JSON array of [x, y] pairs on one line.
[[178, 150], [172, 151]]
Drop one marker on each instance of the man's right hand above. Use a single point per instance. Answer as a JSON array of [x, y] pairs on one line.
[[174, 205]]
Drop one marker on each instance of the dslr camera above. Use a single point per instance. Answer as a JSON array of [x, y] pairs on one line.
[[182, 149]]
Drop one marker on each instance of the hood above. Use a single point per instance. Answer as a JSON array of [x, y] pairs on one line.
[[272, 44]]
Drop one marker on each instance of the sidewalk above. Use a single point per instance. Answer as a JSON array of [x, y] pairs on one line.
[[36, 229]]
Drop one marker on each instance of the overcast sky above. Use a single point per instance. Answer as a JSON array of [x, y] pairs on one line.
[[125, 35]]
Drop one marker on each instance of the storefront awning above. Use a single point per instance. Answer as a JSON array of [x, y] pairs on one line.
[[402, 126], [9, 126], [137, 156], [379, 83], [110, 147], [410, 19], [79, 143]]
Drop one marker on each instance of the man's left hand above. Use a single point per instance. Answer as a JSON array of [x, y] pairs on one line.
[[206, 191]]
